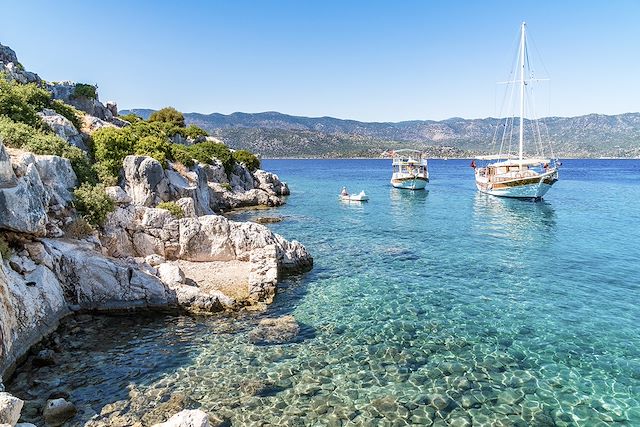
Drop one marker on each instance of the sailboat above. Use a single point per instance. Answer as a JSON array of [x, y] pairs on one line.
[[518, 176]]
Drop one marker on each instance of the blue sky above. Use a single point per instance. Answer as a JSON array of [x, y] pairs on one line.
[[368, 60]]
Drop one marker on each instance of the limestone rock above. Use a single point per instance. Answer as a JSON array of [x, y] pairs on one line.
[[118, 195], [65, 91], [275, 331], [7, 177], [92, 123], [112, 106], [10, 407], [188, 207], [170, 274], [198, 301], [145, 181], [187, 418], [103, 283], [23, 207], [13, 69], [62, 127], [271, 183], [57, 411], [154, 260], [263, 279]]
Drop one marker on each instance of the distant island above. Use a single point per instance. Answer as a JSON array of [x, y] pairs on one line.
[[274, 134]]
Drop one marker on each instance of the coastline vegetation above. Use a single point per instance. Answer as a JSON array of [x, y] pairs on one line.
[[21, 127], [173, 208], [93, 203]]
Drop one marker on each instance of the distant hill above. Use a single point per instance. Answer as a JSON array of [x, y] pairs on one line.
[[274, 134]]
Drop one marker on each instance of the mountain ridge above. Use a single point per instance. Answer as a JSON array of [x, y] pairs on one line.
[[275, 134]]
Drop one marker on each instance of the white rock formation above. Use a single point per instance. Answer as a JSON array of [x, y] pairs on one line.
[[33, 188], [148, 184], [57, 411], [10, 408], [187, 418], [13, 69], [62, 127]]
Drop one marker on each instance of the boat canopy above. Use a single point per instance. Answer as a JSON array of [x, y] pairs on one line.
[[523, 162]]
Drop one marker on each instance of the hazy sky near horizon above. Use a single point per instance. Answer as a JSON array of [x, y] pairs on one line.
[[364, 60]]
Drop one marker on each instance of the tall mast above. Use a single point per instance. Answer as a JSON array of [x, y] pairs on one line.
[[522, 47]]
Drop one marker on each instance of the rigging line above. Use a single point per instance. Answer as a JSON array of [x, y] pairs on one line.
[[515, 47], [535, 128], [538, 55]]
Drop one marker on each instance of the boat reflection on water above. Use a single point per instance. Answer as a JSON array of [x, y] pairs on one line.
[[402, 200], [518, 220]]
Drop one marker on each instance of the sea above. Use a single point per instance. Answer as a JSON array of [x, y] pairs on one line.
[[437, 307]]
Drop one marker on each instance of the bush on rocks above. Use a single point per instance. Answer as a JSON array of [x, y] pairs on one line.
[[207, 151], [21, 103], [249, 159], [173, 208], [182, 154], [168, 115], [131, 118], [93, 203], [78, 229], [154, 146], [20, 135], [192, 131], [72, 114], [85, 90]]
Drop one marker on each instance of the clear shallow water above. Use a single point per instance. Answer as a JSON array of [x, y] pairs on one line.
[[446, 307]]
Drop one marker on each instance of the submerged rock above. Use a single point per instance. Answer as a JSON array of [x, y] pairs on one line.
[[268, 219], [44, 357], [187, 418], [279, 330], [57, 411]]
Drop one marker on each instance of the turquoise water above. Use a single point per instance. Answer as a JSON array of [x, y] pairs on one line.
[[445, 307]]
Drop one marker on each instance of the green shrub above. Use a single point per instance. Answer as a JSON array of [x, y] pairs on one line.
[[93, 203], [205, 152], [21, 102], [191, 131], [154, 146], [85, 90], [20, 135], [174, 208], [249, 159], [66, 110], [105, 172], [111, 146], [182, 154], [131, 118], [168, 115], [5, 250], [226, 186]]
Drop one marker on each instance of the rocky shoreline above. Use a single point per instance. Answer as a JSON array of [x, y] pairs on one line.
[[143, 257]]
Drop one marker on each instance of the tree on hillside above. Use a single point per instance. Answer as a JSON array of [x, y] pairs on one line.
[[168, 115]]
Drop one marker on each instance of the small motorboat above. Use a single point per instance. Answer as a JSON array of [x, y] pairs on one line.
[[346, 197]]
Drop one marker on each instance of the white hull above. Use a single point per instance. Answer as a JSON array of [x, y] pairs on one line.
[[409, 184], [531, 191]]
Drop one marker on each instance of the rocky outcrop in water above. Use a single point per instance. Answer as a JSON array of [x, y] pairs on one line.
[[148, 183], [48, 276]]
